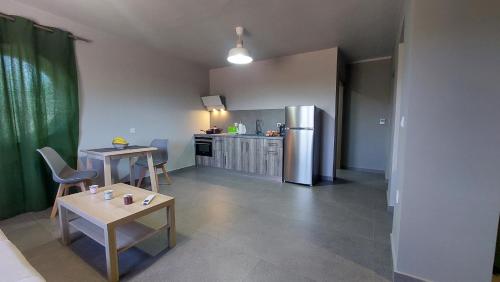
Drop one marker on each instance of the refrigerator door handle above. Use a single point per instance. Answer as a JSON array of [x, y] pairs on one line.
[[299, 128]]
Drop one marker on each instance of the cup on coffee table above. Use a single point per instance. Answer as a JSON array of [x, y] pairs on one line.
[[93, 188], [108, 194], [128, 199]]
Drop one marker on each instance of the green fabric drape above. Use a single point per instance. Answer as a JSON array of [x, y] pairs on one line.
[[38, 107]]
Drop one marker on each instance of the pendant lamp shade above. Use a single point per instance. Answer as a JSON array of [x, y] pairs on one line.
[[239, 55]]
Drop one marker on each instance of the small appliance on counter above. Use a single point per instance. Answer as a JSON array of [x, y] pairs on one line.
[[242, 129], [232, 129], [281, 129], [238, 128], [213, 130]]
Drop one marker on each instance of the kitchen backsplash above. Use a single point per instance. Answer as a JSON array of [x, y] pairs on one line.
[[269, 119]]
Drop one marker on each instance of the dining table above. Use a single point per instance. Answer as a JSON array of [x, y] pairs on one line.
[[131, 152]]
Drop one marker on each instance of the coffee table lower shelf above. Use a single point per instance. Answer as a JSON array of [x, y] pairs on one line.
[[127, 235]]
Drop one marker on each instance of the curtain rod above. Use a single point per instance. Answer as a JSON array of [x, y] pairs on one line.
[[46, 28]]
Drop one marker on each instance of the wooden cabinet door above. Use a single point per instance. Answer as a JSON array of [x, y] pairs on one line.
[[240, 145], [229, 153], [260, 153], [274, 158], [274, 163], [248, 158], [203, 161], [218, 152]]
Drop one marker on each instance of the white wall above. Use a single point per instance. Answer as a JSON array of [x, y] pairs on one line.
[[446, 222], [302, 79], [124, 84]]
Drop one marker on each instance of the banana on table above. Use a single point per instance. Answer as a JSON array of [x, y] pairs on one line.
[[119, 140]]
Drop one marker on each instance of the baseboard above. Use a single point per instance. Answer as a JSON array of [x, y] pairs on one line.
[[182, 168], [392, 252], [404, 277]]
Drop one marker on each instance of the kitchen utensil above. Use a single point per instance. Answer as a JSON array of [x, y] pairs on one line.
[[213, 130]]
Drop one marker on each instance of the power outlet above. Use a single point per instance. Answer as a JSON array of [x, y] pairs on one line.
[[278, 124], [132, 130]]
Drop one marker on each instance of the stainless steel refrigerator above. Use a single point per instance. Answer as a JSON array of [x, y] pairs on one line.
[[301, 146]]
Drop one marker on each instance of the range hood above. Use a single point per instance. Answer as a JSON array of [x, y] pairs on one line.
[[213, 102]]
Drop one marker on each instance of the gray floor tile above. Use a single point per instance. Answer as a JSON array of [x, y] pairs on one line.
[[237, 228], [268, 272]]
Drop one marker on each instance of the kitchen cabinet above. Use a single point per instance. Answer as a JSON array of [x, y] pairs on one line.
[[246, 161], [229, 153], [255, 155], [260, 160], [218, 152], [203, 161], [274, 158]]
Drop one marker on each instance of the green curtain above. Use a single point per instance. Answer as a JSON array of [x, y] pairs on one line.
[[38, 107]]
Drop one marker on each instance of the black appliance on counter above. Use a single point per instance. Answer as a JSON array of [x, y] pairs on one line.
[[213, 130], [203, 146]]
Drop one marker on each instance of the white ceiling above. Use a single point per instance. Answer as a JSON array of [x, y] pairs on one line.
[[203, 30]]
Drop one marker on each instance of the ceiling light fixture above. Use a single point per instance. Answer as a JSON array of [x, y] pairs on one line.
[[239, 55]]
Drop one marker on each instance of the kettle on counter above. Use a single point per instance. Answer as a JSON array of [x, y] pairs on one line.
[[242, 129]]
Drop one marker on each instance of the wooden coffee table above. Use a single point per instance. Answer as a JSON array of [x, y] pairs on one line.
[[111, 223]]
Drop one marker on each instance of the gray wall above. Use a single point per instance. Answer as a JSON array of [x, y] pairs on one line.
[[447, 215], [269, 118], [368, 98], [302, 79], [126, 85]]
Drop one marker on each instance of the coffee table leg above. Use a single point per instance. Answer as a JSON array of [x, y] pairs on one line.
[[111, 254], [171, 225], [152, 172], [64, 224]]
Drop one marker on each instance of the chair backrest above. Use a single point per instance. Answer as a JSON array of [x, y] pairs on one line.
[[161, 155], [53, 159]]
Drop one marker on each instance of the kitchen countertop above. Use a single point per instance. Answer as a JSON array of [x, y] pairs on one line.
[[239, 136]]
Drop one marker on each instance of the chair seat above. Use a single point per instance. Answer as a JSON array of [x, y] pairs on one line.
[[71, 176]]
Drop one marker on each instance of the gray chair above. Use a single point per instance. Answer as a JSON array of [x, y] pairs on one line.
[[64, 175], [160, 158]]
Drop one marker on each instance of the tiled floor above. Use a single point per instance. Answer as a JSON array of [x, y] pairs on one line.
[[237, 228]]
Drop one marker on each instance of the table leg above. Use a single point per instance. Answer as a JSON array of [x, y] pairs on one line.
[[171, 225], [107, 171], [131, 162], [111, 253], [64, 224], [152, 172]]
